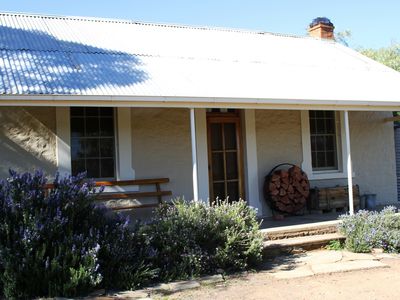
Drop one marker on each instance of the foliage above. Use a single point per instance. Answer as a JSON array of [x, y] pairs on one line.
[[60, 243], [343, 37], [47, 245], [389, 56], [192, 238], [335, 245], [366, 230], [124, 256]]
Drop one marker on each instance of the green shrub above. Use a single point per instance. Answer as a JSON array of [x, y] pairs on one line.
[[124, 256], [192, 238], [335, 245], [366, 230]]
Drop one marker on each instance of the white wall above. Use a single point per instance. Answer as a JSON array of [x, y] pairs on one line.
[[161, 147], [372, 145]]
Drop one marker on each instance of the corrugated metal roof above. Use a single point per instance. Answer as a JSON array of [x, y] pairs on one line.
[[54, 55]]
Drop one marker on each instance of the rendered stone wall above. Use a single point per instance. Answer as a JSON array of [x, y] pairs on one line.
[[161, 147], [372, 144], [278, 141], [27, 139]]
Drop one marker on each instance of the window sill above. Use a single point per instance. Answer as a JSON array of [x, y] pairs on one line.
[[328, 175]]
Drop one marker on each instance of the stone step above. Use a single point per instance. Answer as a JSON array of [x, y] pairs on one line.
[[273, 248], [286, 232]]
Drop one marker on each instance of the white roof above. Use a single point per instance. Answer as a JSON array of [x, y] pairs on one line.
[[118, 59]]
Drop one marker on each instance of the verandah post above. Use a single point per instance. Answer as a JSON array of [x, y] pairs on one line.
[[194, 155], [349, 163]]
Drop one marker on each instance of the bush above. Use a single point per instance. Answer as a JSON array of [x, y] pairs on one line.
[[61, 243], [192, 238], [366, 230], [124, 256]]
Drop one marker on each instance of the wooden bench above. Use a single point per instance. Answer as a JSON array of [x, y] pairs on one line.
[[122, 200], [326, 199]]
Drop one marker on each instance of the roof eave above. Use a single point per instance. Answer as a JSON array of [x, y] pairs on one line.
[[196, 102]]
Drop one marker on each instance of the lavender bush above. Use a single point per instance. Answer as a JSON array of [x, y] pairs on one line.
[[366, 230], [192, 238], [61, 243]]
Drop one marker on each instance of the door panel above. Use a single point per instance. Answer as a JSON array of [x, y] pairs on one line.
[[225, 157]]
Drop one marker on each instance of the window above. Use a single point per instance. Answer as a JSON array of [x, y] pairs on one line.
[[92, 141], [323, 140], [324, 144]]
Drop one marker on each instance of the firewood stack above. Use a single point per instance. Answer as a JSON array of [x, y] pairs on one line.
[[287, 190]]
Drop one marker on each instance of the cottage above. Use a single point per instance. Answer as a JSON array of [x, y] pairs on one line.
[[212, 109]]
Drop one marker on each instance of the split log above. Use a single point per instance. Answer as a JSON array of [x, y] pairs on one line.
[[287, 190]]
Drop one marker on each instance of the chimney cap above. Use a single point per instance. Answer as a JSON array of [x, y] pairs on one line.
[[321, 20]]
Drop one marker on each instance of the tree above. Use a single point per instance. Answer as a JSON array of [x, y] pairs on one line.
[[389, 56]]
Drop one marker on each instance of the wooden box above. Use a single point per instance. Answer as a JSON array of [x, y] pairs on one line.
[[333, 198]]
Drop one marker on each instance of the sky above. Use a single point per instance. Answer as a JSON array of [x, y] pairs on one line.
[[373, 23]]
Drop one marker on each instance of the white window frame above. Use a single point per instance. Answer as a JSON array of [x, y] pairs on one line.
[[123, 143], [341, 171]]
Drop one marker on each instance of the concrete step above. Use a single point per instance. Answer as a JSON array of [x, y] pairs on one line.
[[286, 232], [273, 248]]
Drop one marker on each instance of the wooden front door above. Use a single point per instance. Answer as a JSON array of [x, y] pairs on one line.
[[225, 156]]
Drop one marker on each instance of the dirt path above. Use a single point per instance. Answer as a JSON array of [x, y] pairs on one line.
[[379, 284]]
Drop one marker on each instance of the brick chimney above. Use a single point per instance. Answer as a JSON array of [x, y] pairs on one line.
[[321, 28]]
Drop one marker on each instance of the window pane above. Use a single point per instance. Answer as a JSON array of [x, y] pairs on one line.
[[313, 126], [314, 160], [92, 148], [77, 111], [219, 191], [106, 126], [330, 159], [330, 143], [77, 148], [313, 143], [92, 111], [218, 166], [107, 167], [319, 143], [216, 137], [93, 168], [330, 126], [320, 128], [320, 160], [78, 166], [106, 111], [319, 114], [233, 191], [231, 166], [230, 136], [329, 114], [92, 127], [77, 127], [107, 147]]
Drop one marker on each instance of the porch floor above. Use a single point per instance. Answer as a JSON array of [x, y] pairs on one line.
[[269, 222], [310, 218]]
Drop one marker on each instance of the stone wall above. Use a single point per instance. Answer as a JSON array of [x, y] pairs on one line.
[[27, 139], [372, 145], [162, 148]]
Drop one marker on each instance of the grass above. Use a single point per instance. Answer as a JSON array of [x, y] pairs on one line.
[[335, 245]]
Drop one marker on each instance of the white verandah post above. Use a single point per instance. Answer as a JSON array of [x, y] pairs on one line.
[[194, 155], [349, 163]]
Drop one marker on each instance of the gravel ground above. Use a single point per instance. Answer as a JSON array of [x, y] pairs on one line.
[[380, 283]]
